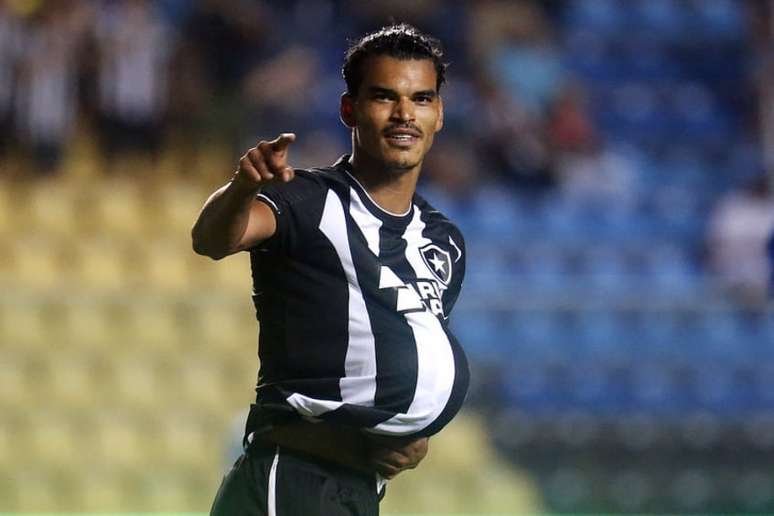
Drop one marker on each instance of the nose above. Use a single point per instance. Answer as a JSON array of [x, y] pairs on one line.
[[404, 110]]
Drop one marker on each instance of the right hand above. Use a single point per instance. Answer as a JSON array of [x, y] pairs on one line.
[[389, 455], [267, 162]]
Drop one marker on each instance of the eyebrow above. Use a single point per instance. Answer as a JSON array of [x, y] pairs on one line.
[[388, 91]]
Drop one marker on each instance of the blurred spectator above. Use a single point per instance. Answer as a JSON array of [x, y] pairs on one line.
[[46, 104], [366, 16], [513, 41], [739, 231], [10, 47], [570, 128], [222, 41], [585, 168], [134, 50], [278, 89], [518, 74], [229, 37], [511, 142]]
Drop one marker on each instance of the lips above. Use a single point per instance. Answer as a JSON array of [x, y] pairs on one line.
[[402, 137]]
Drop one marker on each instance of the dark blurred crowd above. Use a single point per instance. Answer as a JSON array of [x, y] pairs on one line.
[[139, 77], [142, 74]]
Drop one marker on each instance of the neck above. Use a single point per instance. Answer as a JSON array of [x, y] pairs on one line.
[[392, 189]]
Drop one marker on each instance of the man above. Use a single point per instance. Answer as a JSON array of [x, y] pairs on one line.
[[354, 276]]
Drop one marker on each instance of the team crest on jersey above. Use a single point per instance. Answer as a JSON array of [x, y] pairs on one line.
[[438, 261]]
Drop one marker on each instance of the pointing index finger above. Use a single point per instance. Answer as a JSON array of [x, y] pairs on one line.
[[282, 142]]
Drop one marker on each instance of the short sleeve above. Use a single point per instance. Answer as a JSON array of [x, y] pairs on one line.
[[288, 202]]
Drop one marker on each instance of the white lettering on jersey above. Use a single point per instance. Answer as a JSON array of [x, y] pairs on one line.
[[408, 299], [426, 294]]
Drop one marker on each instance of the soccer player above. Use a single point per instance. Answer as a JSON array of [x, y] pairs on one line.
[[354, 277]]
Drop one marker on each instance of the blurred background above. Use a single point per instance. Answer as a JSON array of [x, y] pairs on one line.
[[610, 164]]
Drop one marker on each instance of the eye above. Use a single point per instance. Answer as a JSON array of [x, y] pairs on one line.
[[423, 99]]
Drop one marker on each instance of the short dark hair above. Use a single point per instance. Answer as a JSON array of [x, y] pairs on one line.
[[401, 41]]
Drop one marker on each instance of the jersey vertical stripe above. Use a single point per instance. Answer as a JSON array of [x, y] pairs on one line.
[[396, 361], [435, 368], [358, 386], [367, 223]]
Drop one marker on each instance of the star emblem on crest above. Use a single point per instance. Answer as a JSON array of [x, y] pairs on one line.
[[438, 264], [438, 261]]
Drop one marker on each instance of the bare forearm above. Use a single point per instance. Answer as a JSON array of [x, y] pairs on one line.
[[231, 219], [223, 219]]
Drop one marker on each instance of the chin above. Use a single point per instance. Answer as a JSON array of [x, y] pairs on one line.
[[401, 162]]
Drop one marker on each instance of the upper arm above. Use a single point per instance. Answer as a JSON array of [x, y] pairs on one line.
[[261, 225]]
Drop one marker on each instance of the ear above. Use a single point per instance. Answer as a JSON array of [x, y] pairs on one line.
[[347, 110], [439, 122]]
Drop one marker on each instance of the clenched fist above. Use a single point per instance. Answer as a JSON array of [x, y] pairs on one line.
[[267, 162]]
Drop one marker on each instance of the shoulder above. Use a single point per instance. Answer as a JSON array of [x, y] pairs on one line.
[[439, 224]]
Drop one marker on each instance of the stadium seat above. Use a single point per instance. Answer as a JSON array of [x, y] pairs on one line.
[[606, 334], [9, 211], [576, 428], [201, 382], [36, 262], [720, 19], [119, 439], [138, 380], [53, 208], [56, 445], [665, 19], [16, 384], [71, 378], [153, 325], [174, 208], [525, 387], [721, 335], [87, 324], [653, 388], [186, 441], [101, 264], [232, 274], [121, 211], [591, 55], [34, 488], [546, 269], [754, 489], [497, 215], [223, 326], [171, 491], [167, 263], [604, 16], [604, 269], [632, 489], [104, 489], [669, 269]]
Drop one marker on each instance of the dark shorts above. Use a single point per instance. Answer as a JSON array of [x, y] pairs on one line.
[[273, 481]]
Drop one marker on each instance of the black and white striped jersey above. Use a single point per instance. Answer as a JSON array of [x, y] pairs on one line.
[[353, 304]]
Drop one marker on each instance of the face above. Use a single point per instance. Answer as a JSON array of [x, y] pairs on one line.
[[396, 112]]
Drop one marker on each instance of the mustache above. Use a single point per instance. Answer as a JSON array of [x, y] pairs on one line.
[[410, 127]]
